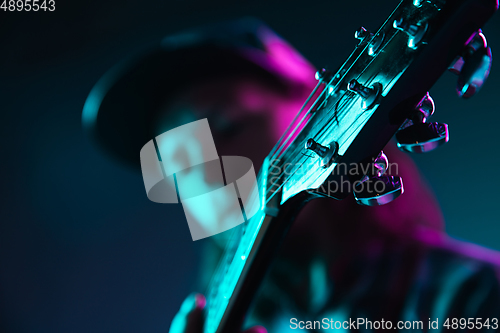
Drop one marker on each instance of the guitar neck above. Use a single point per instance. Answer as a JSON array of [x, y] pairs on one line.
[[397, 69], [247, 255]]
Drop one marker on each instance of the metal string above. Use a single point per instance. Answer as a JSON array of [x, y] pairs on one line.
[[299, 157]]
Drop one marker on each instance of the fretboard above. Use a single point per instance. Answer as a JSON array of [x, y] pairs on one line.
[[237, 256]]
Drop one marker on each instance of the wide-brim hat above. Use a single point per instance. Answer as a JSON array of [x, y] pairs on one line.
[[122, 107]]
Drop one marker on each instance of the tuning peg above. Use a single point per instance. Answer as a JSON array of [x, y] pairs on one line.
[[424, 109], [320, 150], [375, 188], [370, 96], [328, 154], [417, 136], [474, 72], [379, 164], [378, 191], [414, 30], [362, 33], [324, 75], [423, 137], [472, 66]]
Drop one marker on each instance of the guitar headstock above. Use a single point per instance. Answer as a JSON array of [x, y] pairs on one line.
[[334, 145]]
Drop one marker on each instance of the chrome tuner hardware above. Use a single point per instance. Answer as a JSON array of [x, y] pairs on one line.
[[323, 75], [380, 164], [378, 191], [423, 111], [418, 136], [415, 32], [362, 33], [417, 3], [320, 150], [423, 137], [472, 66], [328, 154], [370, 96], [379, 167], [375, 188]]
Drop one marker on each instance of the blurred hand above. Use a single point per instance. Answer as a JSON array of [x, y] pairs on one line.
[[189, 319]]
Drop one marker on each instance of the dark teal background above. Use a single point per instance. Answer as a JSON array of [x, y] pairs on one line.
[[81, 247]]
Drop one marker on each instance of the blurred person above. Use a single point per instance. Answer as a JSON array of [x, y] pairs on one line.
[[339, 260]]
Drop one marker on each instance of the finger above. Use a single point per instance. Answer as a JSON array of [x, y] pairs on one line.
[[189, 319], [195, 317]]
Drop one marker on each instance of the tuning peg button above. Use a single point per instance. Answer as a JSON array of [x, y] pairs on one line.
[[472, 66], [422, 112], [425, 109], [423, 137], [380, 164], [417, 136], [475, 71], [324, 75], [378, 167], [378, 191]]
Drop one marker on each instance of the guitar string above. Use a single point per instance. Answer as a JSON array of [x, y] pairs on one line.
[[226, 260], [282, 140], [305, 115], [326, 124], [328, 85], [260, 178], [297, 126], [300, 160], [341, 114], [321, 95], [381, 50], [361, 53], [217, 270], [298, 157]]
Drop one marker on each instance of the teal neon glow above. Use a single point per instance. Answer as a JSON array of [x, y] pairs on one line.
[[229, 278], [448, 291], [96, 95], [233, 263]]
